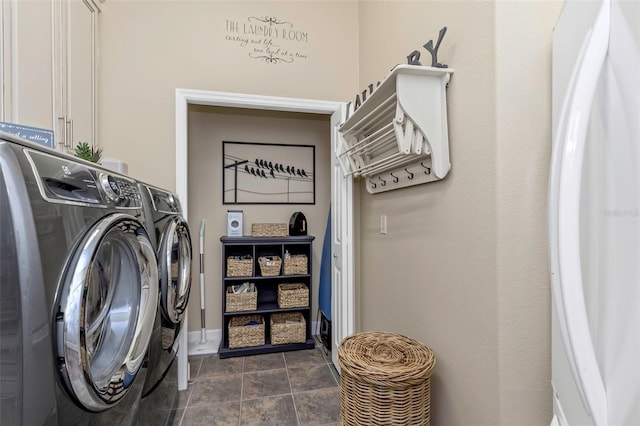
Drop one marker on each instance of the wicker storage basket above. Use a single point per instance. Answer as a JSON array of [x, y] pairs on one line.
[[270, 268], [384, 380], [242, 335], [269, 230], [239, 267], [295, 264], [241, 301], [288, 327], [293, 295]]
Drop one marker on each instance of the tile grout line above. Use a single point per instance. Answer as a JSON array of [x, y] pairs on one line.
[[184, 411], [336, 378], [194, 381], [326, 355], [293, 399], [270, 396], [241, 393]]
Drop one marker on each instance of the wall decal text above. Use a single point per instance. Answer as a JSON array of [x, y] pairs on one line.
[[268, 38]]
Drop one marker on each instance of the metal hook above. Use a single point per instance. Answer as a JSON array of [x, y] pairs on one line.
[[428, 171], [410, 174], [373, 185], [395, 178], [384, 182]]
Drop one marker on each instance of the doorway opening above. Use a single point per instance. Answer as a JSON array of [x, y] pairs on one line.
[[341, 196]]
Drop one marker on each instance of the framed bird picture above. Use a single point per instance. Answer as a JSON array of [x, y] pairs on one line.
[[268, 173]]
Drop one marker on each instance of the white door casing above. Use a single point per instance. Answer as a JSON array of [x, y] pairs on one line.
[[342, 260], [342, 216]]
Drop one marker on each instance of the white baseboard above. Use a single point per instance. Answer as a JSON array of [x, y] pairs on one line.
[[215, 336]]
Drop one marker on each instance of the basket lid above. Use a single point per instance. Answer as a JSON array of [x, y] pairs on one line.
[[386, 359]]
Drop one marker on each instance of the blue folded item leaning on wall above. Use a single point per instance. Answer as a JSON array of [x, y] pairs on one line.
[[324, 297]]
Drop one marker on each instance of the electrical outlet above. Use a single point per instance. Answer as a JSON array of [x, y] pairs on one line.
[[383, 224]]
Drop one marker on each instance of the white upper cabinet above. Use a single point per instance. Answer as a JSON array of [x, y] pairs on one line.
[[28, 63], [49, 67], [76, 48]]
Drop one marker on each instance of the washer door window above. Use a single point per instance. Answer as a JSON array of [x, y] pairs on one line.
[[108, 301], [175, 267]]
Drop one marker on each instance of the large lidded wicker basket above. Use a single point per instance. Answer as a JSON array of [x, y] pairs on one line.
[[246, 330], [288, 327], [384, 380]]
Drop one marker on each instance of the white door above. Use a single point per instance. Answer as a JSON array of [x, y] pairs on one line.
[[342, 292], [594, 212]]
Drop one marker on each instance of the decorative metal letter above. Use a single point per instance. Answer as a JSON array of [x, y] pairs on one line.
[[434, 51], [414, 58]]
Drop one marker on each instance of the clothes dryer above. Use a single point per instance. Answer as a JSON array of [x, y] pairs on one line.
[[170, 233], [78, 290]]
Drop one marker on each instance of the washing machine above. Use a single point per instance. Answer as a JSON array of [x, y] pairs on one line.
[[78, 290], [172, 241]]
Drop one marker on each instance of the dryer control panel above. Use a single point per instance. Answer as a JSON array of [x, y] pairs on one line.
[[164, 202], [61, 180]]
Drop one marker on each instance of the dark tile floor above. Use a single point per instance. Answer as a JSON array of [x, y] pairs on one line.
[[279, 389]]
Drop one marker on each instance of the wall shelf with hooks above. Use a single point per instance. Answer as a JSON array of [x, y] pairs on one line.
[[399, 135]]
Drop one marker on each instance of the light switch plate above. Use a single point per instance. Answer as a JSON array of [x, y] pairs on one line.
[[383, 224]]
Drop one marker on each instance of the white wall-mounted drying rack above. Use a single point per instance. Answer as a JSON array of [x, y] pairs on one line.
[[399, 135]]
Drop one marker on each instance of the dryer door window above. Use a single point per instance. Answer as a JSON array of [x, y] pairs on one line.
[[175, 269], [108, 301]]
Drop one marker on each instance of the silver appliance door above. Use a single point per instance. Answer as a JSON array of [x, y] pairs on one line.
[[108, 299], [595, 225], [175, 258]]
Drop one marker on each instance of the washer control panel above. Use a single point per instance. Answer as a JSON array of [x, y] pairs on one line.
[[61, 180], [123, 192]]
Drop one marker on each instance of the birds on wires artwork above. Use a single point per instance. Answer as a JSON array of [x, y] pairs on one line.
[[268, 173]]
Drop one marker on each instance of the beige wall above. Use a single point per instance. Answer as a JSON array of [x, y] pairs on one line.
[[523, 109], [433, 276], [463, 266], [208, 127], [469, 275], [150, 48]]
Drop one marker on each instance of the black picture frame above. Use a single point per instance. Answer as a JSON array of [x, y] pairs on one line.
[[268, 173]]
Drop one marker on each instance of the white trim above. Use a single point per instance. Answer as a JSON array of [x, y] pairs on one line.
[[241, 100], [4, 32], [342, 248], [184, 97]]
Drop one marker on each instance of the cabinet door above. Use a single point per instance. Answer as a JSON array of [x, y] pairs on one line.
[[81, 72], [27, 63]]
